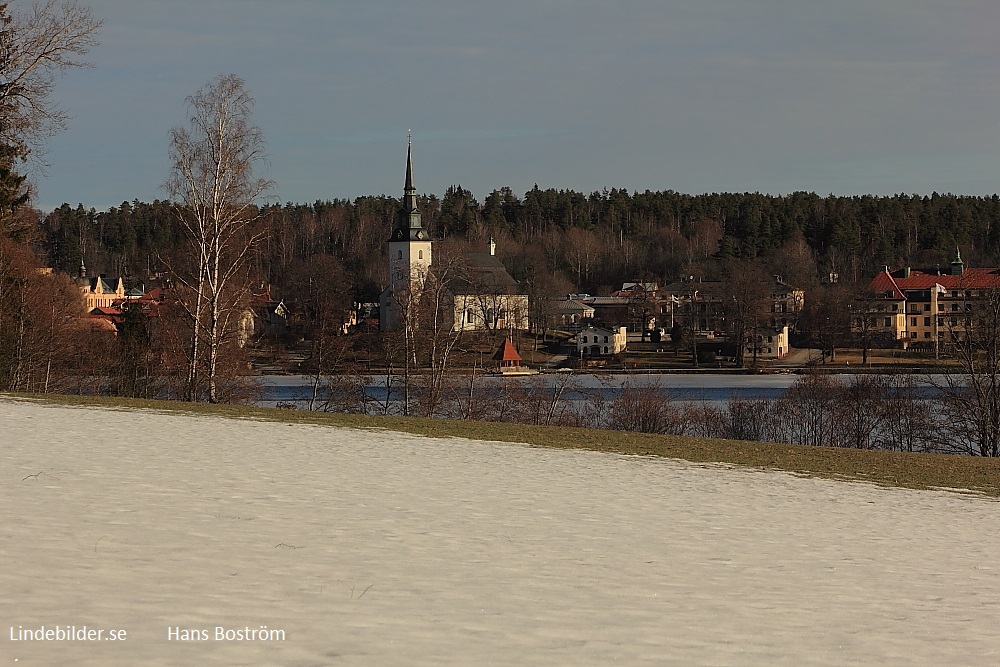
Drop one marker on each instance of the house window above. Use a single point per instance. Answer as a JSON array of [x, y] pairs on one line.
[[605, 349], [940, 321], [913, 334], [605, 340], [954, 307], [954, 321], [927, 307], [927, 334], [895, 307], [913, 321], [584, 339], [888, 322], [927, 321]]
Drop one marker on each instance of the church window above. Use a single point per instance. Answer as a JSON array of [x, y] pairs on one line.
[[400, 255], [420, 254]]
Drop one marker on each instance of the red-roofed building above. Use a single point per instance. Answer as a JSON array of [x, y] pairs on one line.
[[507, 357], [917, 307]]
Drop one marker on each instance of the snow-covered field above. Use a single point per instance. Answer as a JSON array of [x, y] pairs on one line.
[[377, 548]]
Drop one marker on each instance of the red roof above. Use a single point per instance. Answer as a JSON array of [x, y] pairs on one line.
[[156, 294], [918, 280], [506, 352]]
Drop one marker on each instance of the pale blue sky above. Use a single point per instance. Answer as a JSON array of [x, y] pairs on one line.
[[833, 96]]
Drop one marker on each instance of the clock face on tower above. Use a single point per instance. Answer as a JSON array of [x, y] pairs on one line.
[[420, 235], [399, 233]]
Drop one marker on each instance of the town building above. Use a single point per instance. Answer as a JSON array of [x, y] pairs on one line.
[[473, 290], [908, 307], [571, 312], [596, 341], [99, 291]]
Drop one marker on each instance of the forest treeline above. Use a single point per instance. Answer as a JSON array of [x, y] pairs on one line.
[[566, 240]]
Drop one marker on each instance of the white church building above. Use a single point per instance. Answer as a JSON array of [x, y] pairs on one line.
[[473, 291]]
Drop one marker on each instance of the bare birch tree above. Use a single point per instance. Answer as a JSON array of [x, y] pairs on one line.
[[216, 190]]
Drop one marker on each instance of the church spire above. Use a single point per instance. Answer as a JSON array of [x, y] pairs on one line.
[[409, 216], [408, 186]]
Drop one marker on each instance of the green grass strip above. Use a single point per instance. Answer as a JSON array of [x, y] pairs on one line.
[[894, 469]]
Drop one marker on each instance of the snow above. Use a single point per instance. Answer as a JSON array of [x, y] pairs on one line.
[[380, 548]]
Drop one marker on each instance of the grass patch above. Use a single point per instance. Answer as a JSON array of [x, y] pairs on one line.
[[897, 469]]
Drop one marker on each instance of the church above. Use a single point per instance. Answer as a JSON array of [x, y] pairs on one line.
[[471, 291]]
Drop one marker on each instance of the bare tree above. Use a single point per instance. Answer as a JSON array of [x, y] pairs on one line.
[[216, 190], [320, 297], [36, 44], [825, 319], [758, 419], [861, 412], [434, 333], [645, 408], [971, 398], [908, 422], [810, 405], [747, 287], [39, 324]]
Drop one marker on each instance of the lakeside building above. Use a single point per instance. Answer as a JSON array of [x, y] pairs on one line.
[[595, 341], [908, 307]]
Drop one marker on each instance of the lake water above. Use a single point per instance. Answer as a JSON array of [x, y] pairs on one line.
[[712, 387]]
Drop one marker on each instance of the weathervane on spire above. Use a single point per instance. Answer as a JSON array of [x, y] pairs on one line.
[[409, 137]]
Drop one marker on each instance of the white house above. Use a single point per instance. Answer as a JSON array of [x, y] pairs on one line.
[[770, 344], [593, 341]]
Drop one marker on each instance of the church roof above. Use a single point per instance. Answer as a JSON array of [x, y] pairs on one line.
[[483, 273], [409, 168]]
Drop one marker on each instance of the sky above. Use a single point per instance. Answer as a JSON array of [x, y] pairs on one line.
[[842, 97]]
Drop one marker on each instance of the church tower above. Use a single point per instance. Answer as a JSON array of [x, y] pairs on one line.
[[409, 249], [410, 244]]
